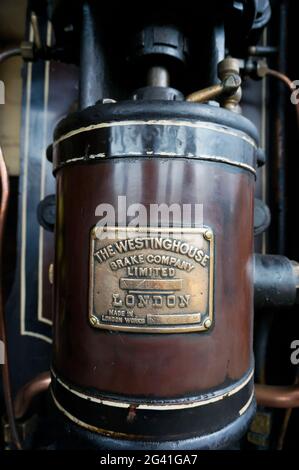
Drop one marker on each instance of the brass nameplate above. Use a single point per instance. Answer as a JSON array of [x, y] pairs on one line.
[[157, 281]]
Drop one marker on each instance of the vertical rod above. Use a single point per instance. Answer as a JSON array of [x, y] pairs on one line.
[[280, 134]]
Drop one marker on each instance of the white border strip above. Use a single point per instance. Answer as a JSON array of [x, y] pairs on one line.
[[23, 330], [263, 130], [166, 407], [40, 316], [247, 404]]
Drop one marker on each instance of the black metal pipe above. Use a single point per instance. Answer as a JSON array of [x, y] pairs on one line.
[[281, 131], [94, 73], [278, 128], [276, 281]]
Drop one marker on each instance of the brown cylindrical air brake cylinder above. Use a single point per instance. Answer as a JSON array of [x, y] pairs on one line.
[[153, 318]]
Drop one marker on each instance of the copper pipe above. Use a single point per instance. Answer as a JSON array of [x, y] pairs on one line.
[[285, 424], [206, 94], [9, 53], [281, 76], [277, 396], [29, 391], [287, 81], [229, 86], [3, 214], [5, 367]]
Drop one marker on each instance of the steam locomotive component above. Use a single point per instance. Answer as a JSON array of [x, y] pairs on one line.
[[155, 276], [145, 358], [276, 282], [152, 338]]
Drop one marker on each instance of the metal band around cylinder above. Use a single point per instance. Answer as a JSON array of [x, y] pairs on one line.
[[156, 138], [181, 417], [220, 439]]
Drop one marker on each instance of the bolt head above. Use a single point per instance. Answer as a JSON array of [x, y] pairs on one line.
[[208, 234], [207, 323], [93, 320]]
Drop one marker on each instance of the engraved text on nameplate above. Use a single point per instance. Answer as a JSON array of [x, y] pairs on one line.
[[151, 281]]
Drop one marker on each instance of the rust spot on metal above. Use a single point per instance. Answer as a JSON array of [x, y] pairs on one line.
[[132, 414]]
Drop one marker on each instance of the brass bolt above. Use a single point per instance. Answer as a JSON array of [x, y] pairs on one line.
[[93, 320], [207, 323], [208, 234], [227, 68]]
